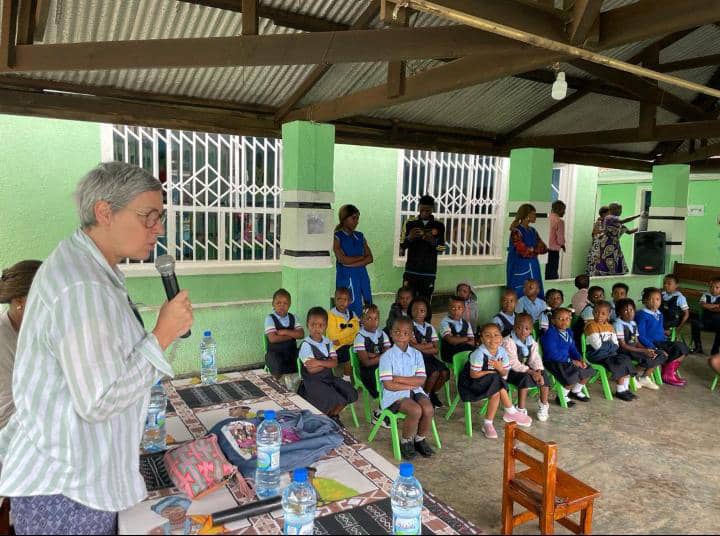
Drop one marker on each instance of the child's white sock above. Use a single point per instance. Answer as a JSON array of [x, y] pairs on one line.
[[622, 387], [577, 390], [566, 391], [487, 421], [510, 409], [406, 440], [419, 438]]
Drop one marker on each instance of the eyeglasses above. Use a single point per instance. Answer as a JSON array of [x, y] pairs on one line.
[[152, 218], [343, 326]]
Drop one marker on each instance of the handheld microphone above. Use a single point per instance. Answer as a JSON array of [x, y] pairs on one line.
[[165, 264]]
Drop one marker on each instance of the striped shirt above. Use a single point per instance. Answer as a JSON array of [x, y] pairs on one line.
[[81, 385]]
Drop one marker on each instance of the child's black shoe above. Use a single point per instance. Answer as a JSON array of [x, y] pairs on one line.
[[570, 403], [579, 398], [422, 448], [436, 402], [407, 450], [627, 396]]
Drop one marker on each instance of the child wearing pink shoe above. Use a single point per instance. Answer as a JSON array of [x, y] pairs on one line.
[[483, 377]]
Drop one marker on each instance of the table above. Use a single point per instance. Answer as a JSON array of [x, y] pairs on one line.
[[360, 476]]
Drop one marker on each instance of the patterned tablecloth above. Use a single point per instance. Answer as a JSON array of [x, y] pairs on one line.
[[354, 473]]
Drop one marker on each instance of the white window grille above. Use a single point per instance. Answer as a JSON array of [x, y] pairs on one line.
[[221, 192], [469, 192]]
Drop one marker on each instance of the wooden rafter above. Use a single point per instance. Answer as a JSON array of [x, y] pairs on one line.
[[7, 33], [585, 16], [691, 63], [250, 19], [252, 50], [691, 156], [363, 21], [395, 16], [26, 22], [42, 12]]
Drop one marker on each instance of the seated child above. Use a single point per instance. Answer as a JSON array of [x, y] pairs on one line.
[[465, 291], [425, 340], [370, 343], [281, 332], [580, 298], [674, 307], [714, 362], [457, 334], [483, 376], [627, 333], [526, 368], [710, 318], [585, 315], [530, 303], [319, 385], [619, 292], [603, 349], [555, 299], [505, 319], [343, 325], [562, 359], [402, 373], [399, 309], [652, 335]]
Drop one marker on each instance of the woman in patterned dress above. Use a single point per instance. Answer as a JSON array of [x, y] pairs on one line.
[[610, 260]]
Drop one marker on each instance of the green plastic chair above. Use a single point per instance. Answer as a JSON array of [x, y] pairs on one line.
[[359, 385], [458, 364], [601, 373], [558, 387], [265, 349], [714, 383], [394, 418], [351, 406], [446, 387]]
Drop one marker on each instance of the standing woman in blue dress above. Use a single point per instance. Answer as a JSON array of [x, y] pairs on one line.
[[525, 246], [353, 255]]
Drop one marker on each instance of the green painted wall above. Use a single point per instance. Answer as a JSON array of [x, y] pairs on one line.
[[308, 156], [670, 185], [584, 216], [627, 195], [530, 174]]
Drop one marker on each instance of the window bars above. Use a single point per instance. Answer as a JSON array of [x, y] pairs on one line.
[[222, 192], [469, 192]]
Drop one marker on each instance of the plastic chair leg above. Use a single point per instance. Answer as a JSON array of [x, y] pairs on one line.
[[435, 434], [714, 383], [560, 394], [366, 406], [633, 384], [452, 407], [483, 409], [468, 419], [657, 376], [395, 439], [603, 376], [447, 391], [375, 428], [354, 415]]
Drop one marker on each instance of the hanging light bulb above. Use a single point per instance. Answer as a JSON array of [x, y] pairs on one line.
[[559, 87]]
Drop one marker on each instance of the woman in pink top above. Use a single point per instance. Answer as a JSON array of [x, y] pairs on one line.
[[556, 241]]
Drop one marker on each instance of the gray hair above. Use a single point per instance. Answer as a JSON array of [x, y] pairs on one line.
[[117, 183]]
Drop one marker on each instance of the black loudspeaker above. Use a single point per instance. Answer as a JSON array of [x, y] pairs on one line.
[[649, 253]]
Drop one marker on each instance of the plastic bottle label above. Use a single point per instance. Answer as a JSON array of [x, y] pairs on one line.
[[294, 528], [406, 525], [156, 419], [207, 360], [268, 459]]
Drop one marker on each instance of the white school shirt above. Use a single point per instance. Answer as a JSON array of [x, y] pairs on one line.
[[82, 379]]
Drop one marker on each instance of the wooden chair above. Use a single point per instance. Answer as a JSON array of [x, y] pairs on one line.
[[5, 516], [548, 493]]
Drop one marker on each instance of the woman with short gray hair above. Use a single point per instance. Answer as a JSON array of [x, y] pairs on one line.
[[85, 365], [610, 259]]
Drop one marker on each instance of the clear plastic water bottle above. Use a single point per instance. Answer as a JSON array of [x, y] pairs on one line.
[[299, 501], [406, 498], [154, 436], [269, 439], [208, 362]]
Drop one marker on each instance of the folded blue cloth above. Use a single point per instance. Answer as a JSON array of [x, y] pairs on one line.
[[318, 435]]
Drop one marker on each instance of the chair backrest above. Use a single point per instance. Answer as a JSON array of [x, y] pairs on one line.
[[583, 346], [265, 343], [299, 366], [378, 383], [355, 366], [459, 361], [545, 468]]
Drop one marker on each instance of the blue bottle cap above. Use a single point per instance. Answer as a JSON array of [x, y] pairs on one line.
[[208, 333], [269, 414], [407, 469], [300, 475]]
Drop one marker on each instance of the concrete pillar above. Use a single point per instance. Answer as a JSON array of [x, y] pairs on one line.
[[530, 182], [668, 208], [307, 218]]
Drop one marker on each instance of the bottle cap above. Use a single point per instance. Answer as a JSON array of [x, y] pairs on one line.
[[300, 475], [208, 333], [407, 469], [269, 414]]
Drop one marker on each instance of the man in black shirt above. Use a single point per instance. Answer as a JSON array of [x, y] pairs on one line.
[[423, 238]]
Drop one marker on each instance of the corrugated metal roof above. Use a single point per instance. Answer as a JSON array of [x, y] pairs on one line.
[[702, 42], [612, 4]]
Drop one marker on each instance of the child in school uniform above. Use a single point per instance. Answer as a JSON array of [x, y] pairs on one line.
[[425, 340], [555, 299], [526, 367], [483, 377], [319, 385], [465, 291], [505, 319], [580, 298], [457, 334], [399, 309], [674, 307], [619, 292], [281, 333], [562, 359], [530, 303], [402, 373], [342, 327], [586, 314], [709, 319], [628, 338], [652, 335], [370, 343], [603, 349]]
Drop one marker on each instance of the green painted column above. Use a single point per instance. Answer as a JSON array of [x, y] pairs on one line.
[[307, 218], [530, 182], [668, 209]]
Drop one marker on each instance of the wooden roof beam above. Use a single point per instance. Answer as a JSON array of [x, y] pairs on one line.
[[585, 15], [690, 156], [691, 63], [250, 19], [7, 33]]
